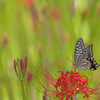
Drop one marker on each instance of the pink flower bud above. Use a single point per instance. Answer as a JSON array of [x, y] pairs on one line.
[[21, 65], [30, 75], [45, 95]]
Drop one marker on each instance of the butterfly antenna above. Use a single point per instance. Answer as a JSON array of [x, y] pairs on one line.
[[73, 60], [73, 64], [69, 59]]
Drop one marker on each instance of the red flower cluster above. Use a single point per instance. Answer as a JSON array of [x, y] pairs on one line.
[[67, 85], [71, 83]]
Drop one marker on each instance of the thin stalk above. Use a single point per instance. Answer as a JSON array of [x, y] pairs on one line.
[[26, 87], [22, 87], [26, 93]]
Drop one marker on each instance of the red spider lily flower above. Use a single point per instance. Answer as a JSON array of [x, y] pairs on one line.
[[67, 85], [84, 13], [55, 14], [20, 67], [5, 38], [65, 37], [29, 3], [44, 10], [98, 10], [30, 75]]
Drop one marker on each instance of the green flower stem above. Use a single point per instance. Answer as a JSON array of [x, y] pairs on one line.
[[22, 87], [26, 93], [26, 87]]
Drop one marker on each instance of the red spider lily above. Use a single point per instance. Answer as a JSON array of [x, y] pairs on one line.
[[5, 38], [67, 85], [98, 10], [55, 14], [84, 13], [65, 37], [29, 3], [20, 67], [44, 10]]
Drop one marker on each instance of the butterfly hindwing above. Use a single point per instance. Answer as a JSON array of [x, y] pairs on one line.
[[89, 51], [82, 62]]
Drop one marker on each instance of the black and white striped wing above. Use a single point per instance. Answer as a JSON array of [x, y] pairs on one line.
[[79, 48]]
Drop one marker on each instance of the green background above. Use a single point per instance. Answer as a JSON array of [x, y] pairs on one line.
[[44, 31]]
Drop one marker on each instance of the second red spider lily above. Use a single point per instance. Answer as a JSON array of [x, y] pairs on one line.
[[25, 77], [67, 85]]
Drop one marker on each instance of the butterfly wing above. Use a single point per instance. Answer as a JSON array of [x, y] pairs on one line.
[[79, 48], [89, 51], [82, 62]]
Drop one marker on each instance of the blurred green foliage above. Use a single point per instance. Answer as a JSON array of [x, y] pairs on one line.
[[43, 30]]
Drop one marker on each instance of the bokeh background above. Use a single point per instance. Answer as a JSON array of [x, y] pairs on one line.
[[43, 30]]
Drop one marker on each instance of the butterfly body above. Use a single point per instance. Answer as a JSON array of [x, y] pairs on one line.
[[84, 56]]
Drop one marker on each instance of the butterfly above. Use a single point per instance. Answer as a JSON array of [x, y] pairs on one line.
[[84, 56]]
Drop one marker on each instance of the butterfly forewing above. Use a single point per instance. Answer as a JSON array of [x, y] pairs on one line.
[[79, 48]]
